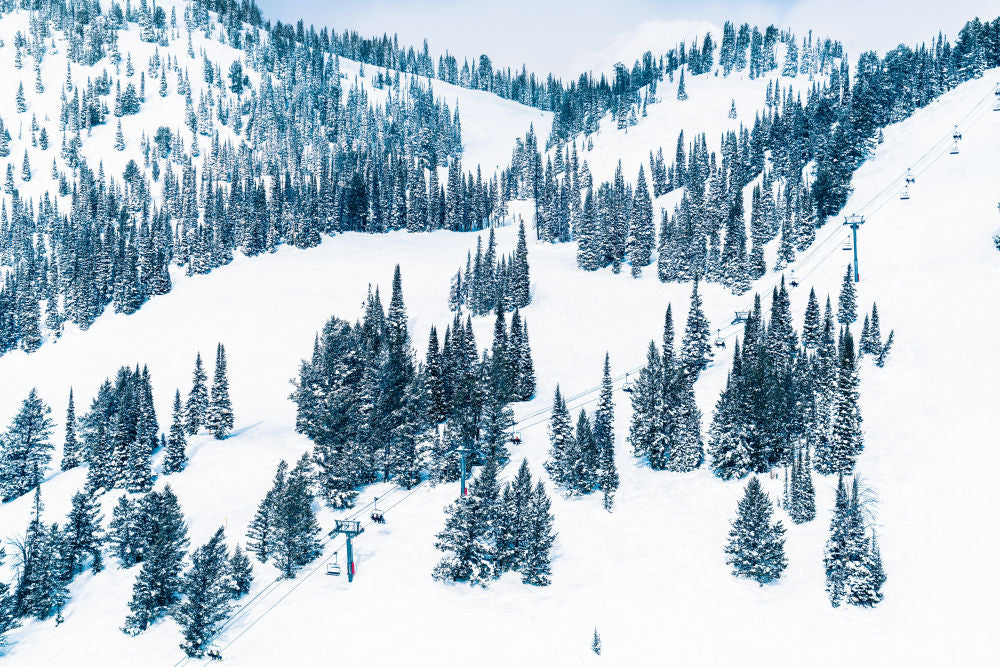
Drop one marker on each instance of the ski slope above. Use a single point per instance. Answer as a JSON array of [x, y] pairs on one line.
[[650, 576]]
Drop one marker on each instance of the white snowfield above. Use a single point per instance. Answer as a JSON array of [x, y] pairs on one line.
[[651, 576]]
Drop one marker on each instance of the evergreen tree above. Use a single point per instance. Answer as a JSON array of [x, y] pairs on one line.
[[595, 644], [801, 503], [71, 455], [846, 440], [535, 568], [295, 525], [242, 573], [176, 456], [158, 585], [207, 595], [8, 618], [468, 554], [563, 450], [847, 307], [219, 418], [604, 436], [756, 546], [696, 349], [123, 533], [82, 536], [25, 450], [197, 402], [681, 90], [811, 328]]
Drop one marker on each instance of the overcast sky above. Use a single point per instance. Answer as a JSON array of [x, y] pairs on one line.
[[555, 35]]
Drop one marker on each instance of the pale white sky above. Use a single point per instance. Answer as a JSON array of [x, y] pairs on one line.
[[552, 36]]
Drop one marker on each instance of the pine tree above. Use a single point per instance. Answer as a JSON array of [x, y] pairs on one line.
[[468, 554], [219, 419], [847, 307], [535, 568], [242, 573], [197, 402], [207, 591], [71, 455], [158, 585], [681, 90], [82, 536], [25, 451], [563, 446], [847, 439], [8, 617], [595, 644], [811, 328], [295, 525], [604, 436], [176, 456], [837, 548], [123, 533], [641, 235], [696, 349], [802, 495], [756, 546]]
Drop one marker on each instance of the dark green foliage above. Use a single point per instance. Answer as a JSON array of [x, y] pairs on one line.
[[25, 450], [197, 402], [756, 545], [207, 593], [219, 413], [82, 536]]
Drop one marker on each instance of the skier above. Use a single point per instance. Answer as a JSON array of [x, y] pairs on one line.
[[213, 654]]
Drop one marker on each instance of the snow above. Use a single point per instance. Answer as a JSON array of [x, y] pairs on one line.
[[650, 576], [657, 36]]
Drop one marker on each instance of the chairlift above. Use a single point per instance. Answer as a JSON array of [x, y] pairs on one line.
[[627, 386], [954, 148], [956, 135], [792, 280], [333, 568], [741, 316], [996, 107], [847, 247], [515, 438], [377, 516], [719, 340], [910, 178], [905, 194]]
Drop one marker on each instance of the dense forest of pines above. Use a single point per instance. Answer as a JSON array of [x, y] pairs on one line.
[[303, 154]]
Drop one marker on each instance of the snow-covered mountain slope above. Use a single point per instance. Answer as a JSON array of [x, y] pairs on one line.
[[657, 36], [650, 576]]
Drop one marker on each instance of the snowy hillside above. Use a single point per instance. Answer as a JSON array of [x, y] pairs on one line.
[[651, 576]]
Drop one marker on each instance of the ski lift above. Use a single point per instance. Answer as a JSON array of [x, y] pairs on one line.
[[847, 245], [954, 148], [627, 386], [741, 316], [377, 516], [956, 135], [996, 107], [213, 654], [792, 280], [333, 569], [910, 178], [719, 340], [515, 438], [905, 194]]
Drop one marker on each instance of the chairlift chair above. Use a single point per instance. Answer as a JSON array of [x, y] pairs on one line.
[[996, 107], [333, 568], [905, 194], [956, 135], [627, 386], [515, 438], [792, 280], [910, 178], [847, 245], [719, 340]]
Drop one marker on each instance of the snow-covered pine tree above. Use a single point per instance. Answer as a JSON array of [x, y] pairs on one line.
[[82, 536], [158, 585], [696, 349], [465, 542], [640, 234], [241, 571], [25, 450], [219, 413], [595, 644], [261, 533], [847, 304], [562, 445], [681, 89], [71, 454], [756, 545], [206, 588], [176, 456], [802, 495], [604, 436], [197, 402], [811, 327], [295, 526], [847, 439], [535, 567]]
